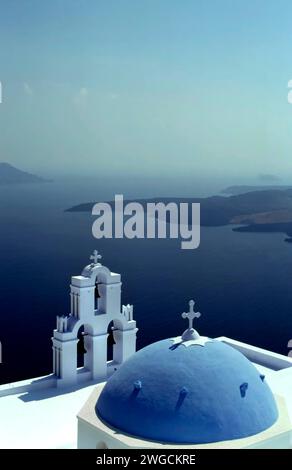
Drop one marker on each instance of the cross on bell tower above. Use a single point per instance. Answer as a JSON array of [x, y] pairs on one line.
[[95, 257]]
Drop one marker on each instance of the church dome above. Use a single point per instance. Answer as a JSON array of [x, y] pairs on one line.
[[188, 390]]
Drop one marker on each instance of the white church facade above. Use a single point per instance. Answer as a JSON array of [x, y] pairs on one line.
[[190, 391]]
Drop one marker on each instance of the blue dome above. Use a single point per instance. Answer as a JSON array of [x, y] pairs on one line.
[[187, 395]]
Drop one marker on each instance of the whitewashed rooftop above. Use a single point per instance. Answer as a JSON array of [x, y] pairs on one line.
[[46, 418]]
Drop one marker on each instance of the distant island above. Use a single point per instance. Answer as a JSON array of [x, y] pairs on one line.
[[269, 206], [9, 175], [236, 190], [256, 211], [285, 228]]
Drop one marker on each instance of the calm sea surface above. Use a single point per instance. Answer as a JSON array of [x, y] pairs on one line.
[[242, 282]]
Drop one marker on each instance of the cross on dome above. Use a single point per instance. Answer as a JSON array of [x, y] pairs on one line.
[[191, 314], [95, 257], [190, 336]]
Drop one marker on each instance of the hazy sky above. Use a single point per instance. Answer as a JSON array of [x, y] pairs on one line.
[[146, 86]]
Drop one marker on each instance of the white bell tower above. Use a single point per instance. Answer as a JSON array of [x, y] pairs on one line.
[[95, 303]]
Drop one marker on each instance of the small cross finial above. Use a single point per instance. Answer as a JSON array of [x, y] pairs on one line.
[[191, 314], [95, 257]]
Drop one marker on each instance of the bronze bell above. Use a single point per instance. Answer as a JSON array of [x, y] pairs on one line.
[[111, 340], [80, 346]]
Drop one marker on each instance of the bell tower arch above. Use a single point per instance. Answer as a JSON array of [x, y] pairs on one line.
[[95, 302]]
